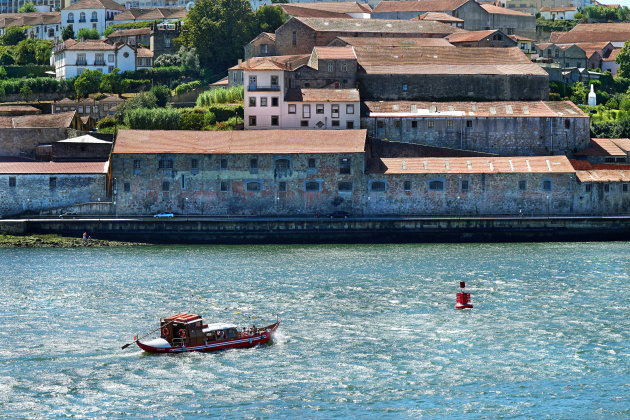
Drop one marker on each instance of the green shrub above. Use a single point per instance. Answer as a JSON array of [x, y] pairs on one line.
[[152, 118], [232, 95], [38, 85], [223, 112], [137, 85], [554, 96], [192, 120], [209, 119], [187, 87], [105, 123], [162, 93]]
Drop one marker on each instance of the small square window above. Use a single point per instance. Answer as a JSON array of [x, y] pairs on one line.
[[127, 187], [282, 186], [606, 187], [263, 101], [350, 125], [414, 124], [224, 186], [253, 186], [335, 123], [194, 164], [274, 101], [311, 163], [468, 123], [252, 101], [275, 120], [345, 186], [304, 123], [522, 185], [224, 163], [334, 109], [380, 124], [436, 185], [319, 108], [253, 163], [430, 123], [378, 186], [546, 185], [464, 185], [311, 186], [306, 111], [166, 186], [252, 120], [397, 123], [349, 108], [292, 109], [449, 123], [52, 182], [404, 87], [587, 187], [407, 185], [12, 181], [624, 188], [344, 166]]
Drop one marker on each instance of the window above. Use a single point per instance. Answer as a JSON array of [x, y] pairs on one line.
[[349, 125], [345, 186], [557, 53], [292, 108], [377, 186], [253, 164], [344, 66], [224, 163], [606, 187], [335, 123], [311, 186], [252, 101], [224, 186], [274, 101], [294, 38], [449, 123], [464, 185], [397, 123], [263, 49], [274, 120], [404, 87], [349, 108], [52, 182], [194, 166], [82, 17], [70, 18], [522, 185], [344, 166], [81, 59], [263, 101], [127, 187], [165, 164], [624, 188], [430, 124], [306, 111], [311, 163], [166, 186], [331, 67], [94, 17], [252, 120], [407, 185], [436, 185], [253, 186], [546, 185], [335, 111], [183, 181], [319, 108], [136, 167], [567, 124], [304, 123], [283, 165], [80, 110], [468, 123], [587, 187], [282, 186], [414, 124], [12, 182]]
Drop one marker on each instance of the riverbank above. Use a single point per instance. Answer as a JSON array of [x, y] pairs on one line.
[[56, 241]]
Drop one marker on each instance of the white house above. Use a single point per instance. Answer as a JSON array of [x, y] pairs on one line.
[[90, 14], [558, 13], [37, 25], [71, 58]]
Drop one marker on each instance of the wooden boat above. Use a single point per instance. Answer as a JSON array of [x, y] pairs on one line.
[[186, 332]]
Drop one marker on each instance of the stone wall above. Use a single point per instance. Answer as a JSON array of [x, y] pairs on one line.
[[34, 193], [22, 141], [308, 77], [515, 136], [482, 87]]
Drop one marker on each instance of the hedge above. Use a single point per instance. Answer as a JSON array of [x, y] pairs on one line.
[[38, 85], [224, 112], [31, 70], [187, 87], [138, 85]]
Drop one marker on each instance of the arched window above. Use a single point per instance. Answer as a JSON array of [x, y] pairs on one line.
[[94, 17], [436, 185], [82, 17], [70, 18]]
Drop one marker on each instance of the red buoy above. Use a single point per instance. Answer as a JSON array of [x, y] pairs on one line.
[[463, 298]]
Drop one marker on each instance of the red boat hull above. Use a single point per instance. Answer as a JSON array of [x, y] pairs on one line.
[[242, 342]]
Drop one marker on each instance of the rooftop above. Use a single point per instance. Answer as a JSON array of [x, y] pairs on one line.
[[85, 140], [594, 32], [95, 4], [29, 19], [603, 175], [439, 17], [496, 10], [273, 63], [381, 26], [54, 167], [322, 95], [606, 147], [335, 53], [130, 32], [337, 7], [471, 36], [240, 142], [522, 109], [472, 165], [419, 6], [59, 120], [558, 9], [393, 41], [296, 10]]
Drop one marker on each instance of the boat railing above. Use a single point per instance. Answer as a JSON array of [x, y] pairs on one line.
[[178, 342]]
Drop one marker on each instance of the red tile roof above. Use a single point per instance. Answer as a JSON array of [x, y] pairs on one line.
[[297, 11], [335, 53], [558, 9], [472, 165], [29, 19], [604, 175], [54, 167], [594, 32], [419, 6], [471, 36], [439, 17], [59, 120], [273, 63], [87, 45], [498, 109], [130, 32], [144, 53], [240, 142], [322, 95], [613, 55], [606, 147], [378, 26], [520, 38], [495, 10], [337, 7], [393, 41], [95, 4]]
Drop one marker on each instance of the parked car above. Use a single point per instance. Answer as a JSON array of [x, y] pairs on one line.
[[163, 215], [339, 214]]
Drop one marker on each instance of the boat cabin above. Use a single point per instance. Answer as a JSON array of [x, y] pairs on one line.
[[218, 332], [183, 329]]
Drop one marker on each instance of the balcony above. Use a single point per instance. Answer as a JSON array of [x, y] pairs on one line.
[[259, 88], [70, 21], [94, 20], [82, 20], [81, 63], [99, 62]]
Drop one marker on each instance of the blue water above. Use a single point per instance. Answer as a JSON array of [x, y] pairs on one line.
[[367, 331]]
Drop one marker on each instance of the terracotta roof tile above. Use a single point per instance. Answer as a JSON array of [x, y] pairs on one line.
[[297, 11], [130, 32], [273, 63], [503, 11], [144, 53], [335, 53], [502, 109], [29, 19], [393, 41], [95, 4], [471, 36], [604, 175], [558, 9], [439, 17], [613, 55], [322, 95], [240, 142], [378, 26], [54, 167], [59, 120], [594, 32], [337, 7], [520, 38], [612, 147], [475, 165], [87, 45], [19, 109], [419, 6]]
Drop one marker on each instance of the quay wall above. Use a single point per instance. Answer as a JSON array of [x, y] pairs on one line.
[[323, 230]]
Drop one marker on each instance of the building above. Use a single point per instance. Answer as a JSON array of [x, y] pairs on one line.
[[301, 35], [442, 18], [492, 38], [559, 13], [238, 172], [89, 107], [71, 58], [84, 148], [90, 14], [503, 128], [511, 22], [18, 110], [378, 43], [579, 55], [338, 9], [421, 73], [263, 45], [42, 6], [609, 64], [526, 45], [162, 39], [161, 14], [30, 187], [37, 25], [606, 151], [615, 33], [133, 36]]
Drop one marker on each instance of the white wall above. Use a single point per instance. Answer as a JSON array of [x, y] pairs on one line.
[[346, 114], [100, 22], [263, 113], [66, 66]]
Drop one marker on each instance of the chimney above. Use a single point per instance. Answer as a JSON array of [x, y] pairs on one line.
[[240, 62]]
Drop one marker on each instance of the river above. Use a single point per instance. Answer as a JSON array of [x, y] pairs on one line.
[[367, 331]]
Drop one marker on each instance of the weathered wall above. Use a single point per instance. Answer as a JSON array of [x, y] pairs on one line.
[[142, 191], [383, 87], [513, 24], [504, 136], [307, 77], [33, 193], [22, 141]]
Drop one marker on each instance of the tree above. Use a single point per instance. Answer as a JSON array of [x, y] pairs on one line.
[[168, 60], [67, 33], [13, 35], [85, 33], [27, 8], [578, 93], [162, 93], [24, 52], [141, 100], [623, 59], [189, 60], [6, 59], [26, 92], [268, 19], [43, 51], [108, 31], [87, 82], [3, 73], [113, 83]]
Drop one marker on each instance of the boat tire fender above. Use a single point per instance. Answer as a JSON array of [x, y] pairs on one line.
[[165, 332], [182, 333]]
